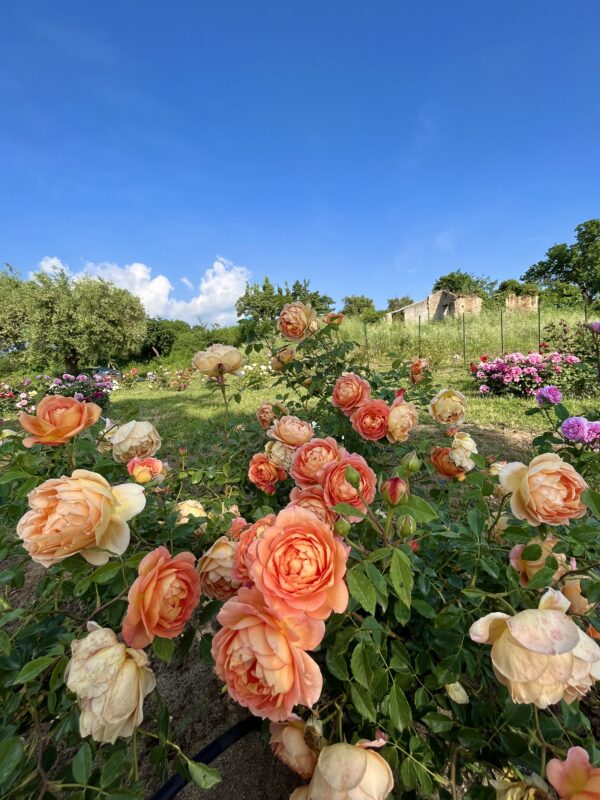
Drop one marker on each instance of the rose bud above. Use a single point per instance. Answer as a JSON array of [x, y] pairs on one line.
[[394, 491], [353, 477], [342, 526], [411, 463], [406, 525]]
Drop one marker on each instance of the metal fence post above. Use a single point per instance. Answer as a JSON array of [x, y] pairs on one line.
[[539, 310], [464, 340], [501, 331], [420, 354]]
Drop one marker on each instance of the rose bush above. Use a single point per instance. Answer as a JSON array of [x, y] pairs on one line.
[[370, 588]]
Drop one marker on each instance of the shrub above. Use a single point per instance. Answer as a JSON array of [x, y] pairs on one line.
[[521, 375]]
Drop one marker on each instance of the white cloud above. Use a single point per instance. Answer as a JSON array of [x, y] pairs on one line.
[[219, 288]]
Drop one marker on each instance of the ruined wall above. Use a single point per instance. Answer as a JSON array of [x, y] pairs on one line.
[[525, 304], [413, 312], [467, 304]]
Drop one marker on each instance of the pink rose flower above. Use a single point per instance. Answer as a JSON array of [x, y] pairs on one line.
[[574, 778]]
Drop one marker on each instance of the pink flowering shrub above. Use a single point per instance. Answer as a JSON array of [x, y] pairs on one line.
[[521, 374]]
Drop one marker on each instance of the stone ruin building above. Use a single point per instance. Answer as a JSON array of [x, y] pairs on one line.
[[442, 304]]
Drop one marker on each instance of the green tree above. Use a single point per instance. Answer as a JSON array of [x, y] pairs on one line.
[[513, 286], [355, 305], [260, 305], [81, 323], [577, 264], [562, 295], [14, 304], [159, 339], [460, 282], [394, 303]]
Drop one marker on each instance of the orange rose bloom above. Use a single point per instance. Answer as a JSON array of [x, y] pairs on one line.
[[245, 552], [336, 488], [417, 369], [81, 514], [266, 413], [403, 416], [349, 392], [292, 431], [264, 473], [333, 318], [162, 598], [144, 470], [310, 458], [57, 419], [370, 419], [443, 464], [300, 566], [297, 321], [547, 491], [262, 657], [312, 499], [215, 569]]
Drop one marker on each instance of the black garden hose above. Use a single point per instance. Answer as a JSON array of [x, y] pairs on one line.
[[175, 784]]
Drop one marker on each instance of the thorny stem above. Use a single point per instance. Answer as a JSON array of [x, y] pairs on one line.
[[226, 405], [542, 742]]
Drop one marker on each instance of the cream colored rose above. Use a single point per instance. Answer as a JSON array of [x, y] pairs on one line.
[[510, 787], [287, 742], [448, 407], [572, 591], [81, 514], [540, 655], [134, 439], [301, 793], [350, 772], [496, 468], [217, 360], [291, 431], [402, 418], [499, 528], [547, 491], [463, 447], [186, 509], [280, 454], [104, 441], [215, 570], [111, 681]]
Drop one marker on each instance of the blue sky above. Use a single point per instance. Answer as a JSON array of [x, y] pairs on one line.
[[368, 147]]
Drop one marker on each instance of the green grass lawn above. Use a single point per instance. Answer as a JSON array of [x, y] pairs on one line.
[[194, 416]]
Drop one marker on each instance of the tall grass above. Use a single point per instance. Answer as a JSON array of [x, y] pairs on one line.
[[442, 342]]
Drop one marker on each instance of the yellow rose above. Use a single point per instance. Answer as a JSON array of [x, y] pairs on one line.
[[111, 681], [217, 360], [134, 439], [448, 407]]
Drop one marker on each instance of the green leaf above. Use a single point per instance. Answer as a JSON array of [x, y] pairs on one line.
[[11, 755], [399, 709], [336, 664], [424, 609], [438, 723], [363, 702], [33, 669], [531, 553], [112, 769], [82, 764], [163, 648], [106, 572], [402, 576], [419, 509], [542, 578], [360, 666], [203, 776], [347, 510], [362, 589], [4, 643], [592, 501]]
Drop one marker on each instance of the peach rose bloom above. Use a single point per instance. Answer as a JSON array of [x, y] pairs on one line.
[[312, 499], [547, 491], [264, 473], [496, 467], [333, 318], [509, 787], [281, 358], [280, 454], [111, 682], [162, 598], [350, 391], [310, 458], [336, 488], [528, 569], [238, 525], [540, 655], [81, 514], [287, 742], [188, 509], [370, 419], [134, 439], [441, 458], [215, 569], [262, 659], [57, 419], [350, 772], [301, 793], [245, 552], [448, 407], [267, 412], [143, 470], [417, 369], [572, 591], [217, 360], [292, 431], [300, 566], [297, 321], [402, 418], [574, 778], [499, 528]]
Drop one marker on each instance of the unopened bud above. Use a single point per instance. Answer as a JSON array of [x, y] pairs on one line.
[[394, 491], [407, 526], [411, 462], [341, 527], [353, 477]]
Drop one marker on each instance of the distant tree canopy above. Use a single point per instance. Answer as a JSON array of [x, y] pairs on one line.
[[81, 323], [513, 286], [394, 303], [13, 309], [459, 282], [577, 263], [356, 305], [160, 337], [562, 295]]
